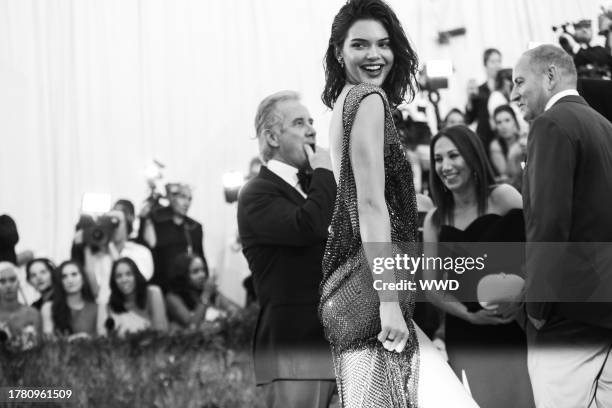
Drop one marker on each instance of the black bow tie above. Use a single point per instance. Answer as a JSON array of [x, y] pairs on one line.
[[304, 179]]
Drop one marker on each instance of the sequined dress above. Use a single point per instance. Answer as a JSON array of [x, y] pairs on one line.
[[367, 374]]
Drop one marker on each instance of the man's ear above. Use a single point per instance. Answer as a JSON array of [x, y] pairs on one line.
[[552, 76], [272, 138]]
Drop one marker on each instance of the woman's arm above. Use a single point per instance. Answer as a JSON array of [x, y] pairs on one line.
[[90, 271], [497, 158], [367, 159], [47, 319], [101, 319], [157, 308], [178, 311], [504, 198]]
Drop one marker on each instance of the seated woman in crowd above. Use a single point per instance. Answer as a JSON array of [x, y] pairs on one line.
[[133, 305], [454, 117], [506, 149], [19, 324], [39, 272], [72, 312], [191, 297]]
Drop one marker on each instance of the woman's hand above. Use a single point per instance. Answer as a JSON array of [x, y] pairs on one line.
[[394, 334], [485, 316]]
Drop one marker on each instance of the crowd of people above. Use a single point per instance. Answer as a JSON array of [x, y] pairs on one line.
[[303, 220], [120, 283]]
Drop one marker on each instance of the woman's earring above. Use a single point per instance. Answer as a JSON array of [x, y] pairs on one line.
[[341, 62]]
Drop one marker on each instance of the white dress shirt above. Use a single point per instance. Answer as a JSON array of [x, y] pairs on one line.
[[287, 173], [553, 99]]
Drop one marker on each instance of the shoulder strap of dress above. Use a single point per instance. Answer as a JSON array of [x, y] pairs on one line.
[[352, 102], [346, 188]]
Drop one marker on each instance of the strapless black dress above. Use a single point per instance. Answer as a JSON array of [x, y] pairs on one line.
[[492, 357]]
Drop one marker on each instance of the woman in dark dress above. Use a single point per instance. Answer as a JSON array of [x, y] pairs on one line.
[[486, 348]]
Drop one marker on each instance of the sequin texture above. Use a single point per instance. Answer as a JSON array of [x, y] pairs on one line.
[[367, 374]]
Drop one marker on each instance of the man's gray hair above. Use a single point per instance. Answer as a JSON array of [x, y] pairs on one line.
[[541, 57], [269, 119]]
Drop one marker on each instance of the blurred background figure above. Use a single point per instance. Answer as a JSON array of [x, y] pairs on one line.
[[39, 273], [73, 311], [9, 237], [169, 232], [192, 296], [133, 305], [476, 108], [20, 325], [592, 61], [508, 148], [100, 255], [454, 117]]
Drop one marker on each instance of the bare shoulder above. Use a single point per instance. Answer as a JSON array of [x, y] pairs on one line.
[[372, 104], [494, 146], [154, 291], [424, 203], [504, 198]]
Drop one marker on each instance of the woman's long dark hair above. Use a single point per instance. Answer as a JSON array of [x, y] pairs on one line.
[[180, 284], [60, 311], [401, 77], [471, 149], [117, 298], [502, 142]]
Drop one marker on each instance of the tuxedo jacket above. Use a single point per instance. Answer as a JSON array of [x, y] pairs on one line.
[[283, 236], [568, 200]]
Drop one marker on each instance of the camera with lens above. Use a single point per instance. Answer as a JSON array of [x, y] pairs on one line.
[[97, 232]]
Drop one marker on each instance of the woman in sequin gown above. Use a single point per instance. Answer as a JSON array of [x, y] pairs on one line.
[[385, 361]]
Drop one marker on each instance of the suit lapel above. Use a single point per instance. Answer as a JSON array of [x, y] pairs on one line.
[[287, 189]]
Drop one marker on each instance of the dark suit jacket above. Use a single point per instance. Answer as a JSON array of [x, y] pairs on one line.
[[173, 240], [568, 199], [283, 236]]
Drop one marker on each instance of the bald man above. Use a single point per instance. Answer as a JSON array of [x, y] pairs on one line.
[[567, 195]]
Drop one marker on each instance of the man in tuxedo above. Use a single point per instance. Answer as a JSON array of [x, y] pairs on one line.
[[283, 224], [567, 194]]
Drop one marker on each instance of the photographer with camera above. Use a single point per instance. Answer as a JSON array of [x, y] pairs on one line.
[[591, 61], [169, 232], [105, 242]]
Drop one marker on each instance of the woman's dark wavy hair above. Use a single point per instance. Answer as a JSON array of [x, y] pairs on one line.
[[502, 142], [180, 284], [506, 108], [60, 311], [401, 77], [473, 152], [46, 261], [117, 299]]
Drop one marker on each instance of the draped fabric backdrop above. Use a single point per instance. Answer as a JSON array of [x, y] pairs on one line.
[[90, 91]]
